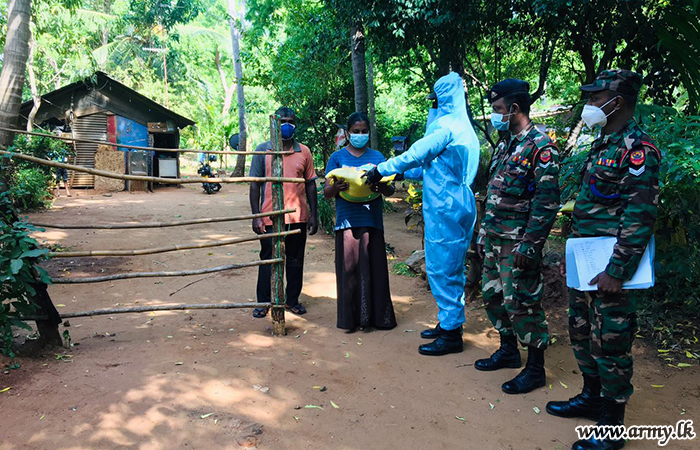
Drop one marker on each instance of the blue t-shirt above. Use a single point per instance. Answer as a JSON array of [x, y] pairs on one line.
[[355, 215]]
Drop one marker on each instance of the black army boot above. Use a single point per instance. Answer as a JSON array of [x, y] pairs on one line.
[[450, 341], [432, 333], [531, 377], [587, 404], [507, 356], [611, 414]]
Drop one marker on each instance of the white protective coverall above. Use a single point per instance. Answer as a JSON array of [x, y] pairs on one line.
[[446, 159]]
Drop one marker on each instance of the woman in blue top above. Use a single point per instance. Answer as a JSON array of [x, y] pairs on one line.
[[362, 274]]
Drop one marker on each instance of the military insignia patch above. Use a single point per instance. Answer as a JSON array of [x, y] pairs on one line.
[[545, 156], [637, 157], [638, 171]]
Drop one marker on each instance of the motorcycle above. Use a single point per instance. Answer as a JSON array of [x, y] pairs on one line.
[[205, 171]]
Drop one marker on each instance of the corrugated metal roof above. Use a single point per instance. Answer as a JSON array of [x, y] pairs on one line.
[[102, 82]]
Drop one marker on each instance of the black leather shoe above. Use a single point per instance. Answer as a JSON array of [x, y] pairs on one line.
[[531, 377], [611, 414], [450, 341], [587, 404], [507, 356], [432, 333]]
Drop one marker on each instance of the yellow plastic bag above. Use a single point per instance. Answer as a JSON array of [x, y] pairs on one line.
[[358, 192]]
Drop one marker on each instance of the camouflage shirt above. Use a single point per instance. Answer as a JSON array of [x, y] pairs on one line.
[[522, 198], [619, 195]]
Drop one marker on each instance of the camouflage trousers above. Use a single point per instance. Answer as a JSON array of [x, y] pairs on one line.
[[512, 296], [602, 329]]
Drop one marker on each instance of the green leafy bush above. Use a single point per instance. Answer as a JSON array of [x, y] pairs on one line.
[[31, 188], [30, 184], [19, 253]]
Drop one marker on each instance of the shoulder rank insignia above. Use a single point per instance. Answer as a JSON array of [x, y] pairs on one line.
[[605, 162]]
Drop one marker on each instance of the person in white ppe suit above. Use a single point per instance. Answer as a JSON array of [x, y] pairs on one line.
[[446, 159]]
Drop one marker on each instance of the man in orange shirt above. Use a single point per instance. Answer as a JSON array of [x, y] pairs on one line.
[[300, 164]]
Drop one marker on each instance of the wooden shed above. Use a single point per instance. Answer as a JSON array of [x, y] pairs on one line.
[[101, 108]]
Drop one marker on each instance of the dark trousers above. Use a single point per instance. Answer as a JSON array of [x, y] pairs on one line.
[[295, 245]]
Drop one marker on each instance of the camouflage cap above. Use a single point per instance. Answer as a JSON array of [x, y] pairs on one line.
[[621, 81]]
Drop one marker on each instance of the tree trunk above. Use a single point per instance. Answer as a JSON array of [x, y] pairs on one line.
[[359, 74], [228, 90], [107, 9], [36, 99], [234, 15], [14, 66], [374, 137]]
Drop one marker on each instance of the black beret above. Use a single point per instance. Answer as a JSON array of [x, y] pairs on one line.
[[507, 87]]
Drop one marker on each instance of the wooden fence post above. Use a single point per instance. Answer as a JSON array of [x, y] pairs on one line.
[[278, 293]]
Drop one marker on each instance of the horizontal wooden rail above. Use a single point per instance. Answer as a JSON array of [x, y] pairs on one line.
[[137, 147], [139, 309], [172, 248], [102, 173], [128, 226], [181, 273]]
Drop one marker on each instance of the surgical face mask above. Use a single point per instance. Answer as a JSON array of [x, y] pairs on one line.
[[359, 140], [498, 122], [287, 130], [594, 116]]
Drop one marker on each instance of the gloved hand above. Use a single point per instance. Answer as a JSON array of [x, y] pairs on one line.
[[372, 176], [399, 177]]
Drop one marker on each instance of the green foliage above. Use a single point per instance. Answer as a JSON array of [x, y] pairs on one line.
[[31, 189], [19, 253], [403, 270], [413, 216], [675, 298], [30, 184], [326, 212]]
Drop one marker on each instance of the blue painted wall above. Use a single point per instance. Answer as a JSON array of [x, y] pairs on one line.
[[130, 132]]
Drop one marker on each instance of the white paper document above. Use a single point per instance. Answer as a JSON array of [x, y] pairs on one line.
[[587, 257]]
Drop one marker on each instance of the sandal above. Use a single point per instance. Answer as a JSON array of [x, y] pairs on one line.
[[260, 313], [297, 309]]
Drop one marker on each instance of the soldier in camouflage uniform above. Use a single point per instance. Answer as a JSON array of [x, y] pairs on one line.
[[522, 201], [618, 197]]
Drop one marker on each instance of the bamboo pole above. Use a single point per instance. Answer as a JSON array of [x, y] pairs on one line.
[[129, 226], [139, 309], [102, 173], [137, 147], [181, 273], [172, 248], [278, 251]]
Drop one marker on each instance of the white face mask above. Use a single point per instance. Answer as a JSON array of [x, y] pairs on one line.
[[594, 116]]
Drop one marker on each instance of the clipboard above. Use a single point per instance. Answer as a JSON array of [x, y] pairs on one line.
[[587, 257]]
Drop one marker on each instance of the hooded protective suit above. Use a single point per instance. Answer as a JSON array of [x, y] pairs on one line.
[[446, 159]]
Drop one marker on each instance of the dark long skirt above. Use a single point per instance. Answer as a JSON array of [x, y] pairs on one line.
[[362, 279]]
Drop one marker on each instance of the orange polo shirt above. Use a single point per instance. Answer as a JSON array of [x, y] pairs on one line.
[[300, 164]]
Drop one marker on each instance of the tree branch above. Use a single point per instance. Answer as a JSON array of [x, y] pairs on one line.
[[545, 63]]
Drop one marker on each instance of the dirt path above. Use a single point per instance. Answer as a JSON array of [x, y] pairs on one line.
[[217, 380]]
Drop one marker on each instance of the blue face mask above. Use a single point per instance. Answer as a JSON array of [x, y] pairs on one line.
[[287, 130], [498, 123], [359, 140]]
